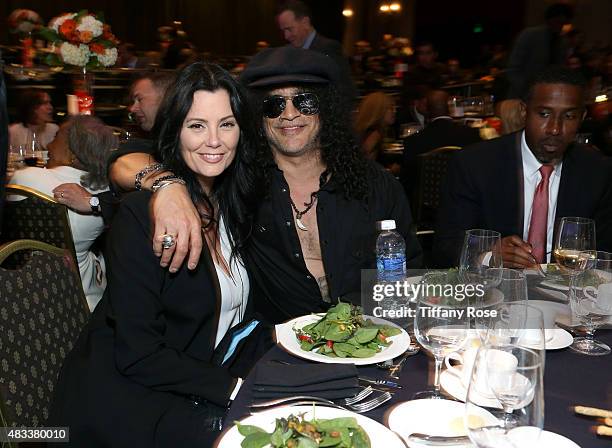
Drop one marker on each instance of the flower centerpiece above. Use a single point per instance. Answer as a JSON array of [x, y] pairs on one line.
[[83, 40], [23, 22]]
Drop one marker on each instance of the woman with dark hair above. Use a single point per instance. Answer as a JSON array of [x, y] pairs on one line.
[[35, 116], [150, 369], [78, 154]]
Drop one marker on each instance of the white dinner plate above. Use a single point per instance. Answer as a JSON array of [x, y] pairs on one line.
[[380, 436], [547, 439], [285, 337], [432, 417], [560, 339]]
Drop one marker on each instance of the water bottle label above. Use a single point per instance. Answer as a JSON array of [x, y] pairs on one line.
[[391, 269]]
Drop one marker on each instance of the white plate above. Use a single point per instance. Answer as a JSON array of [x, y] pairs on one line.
[[560, 339], [380, 436], [285, 336], [433, 417], [547, 439]]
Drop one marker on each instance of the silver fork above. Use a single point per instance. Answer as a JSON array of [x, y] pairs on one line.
[[358, 408], [346, 401], [369, 405], [360, 396]]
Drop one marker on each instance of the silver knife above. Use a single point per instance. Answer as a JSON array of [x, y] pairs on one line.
[[427, 439]]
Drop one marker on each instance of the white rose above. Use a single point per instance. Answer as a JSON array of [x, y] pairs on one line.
[[90, 23], [57, 21], [108, 58], [74, 55]]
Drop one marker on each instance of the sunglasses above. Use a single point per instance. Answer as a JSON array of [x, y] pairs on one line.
[[306, 103]]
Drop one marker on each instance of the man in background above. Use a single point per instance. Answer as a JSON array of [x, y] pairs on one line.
[[295, 22], [536, 48], [521, 184], [439, 131]]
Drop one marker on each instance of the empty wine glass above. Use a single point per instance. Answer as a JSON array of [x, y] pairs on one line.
[[481, 258], [591, 302], [505, 399], [512, 287], [440, 324]]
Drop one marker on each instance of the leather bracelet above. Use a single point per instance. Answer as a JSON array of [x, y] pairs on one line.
[[143, 172], [164, 181]]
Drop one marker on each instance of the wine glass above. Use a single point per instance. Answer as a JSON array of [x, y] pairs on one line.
[[575, 244], [512, 287], [505, 399], [591, 302], [518, 323], [15, 159], [440, 324], [481, 258]]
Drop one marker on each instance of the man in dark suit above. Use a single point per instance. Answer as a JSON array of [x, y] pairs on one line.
[[522, 183], [295, 21], [440, 131], [538, 47]]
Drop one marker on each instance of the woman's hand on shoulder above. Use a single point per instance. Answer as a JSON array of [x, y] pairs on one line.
[[73, 196], [173, 213]]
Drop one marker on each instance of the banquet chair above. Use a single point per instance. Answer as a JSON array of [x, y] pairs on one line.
[[432, 167], [37, 217], [42, 311]]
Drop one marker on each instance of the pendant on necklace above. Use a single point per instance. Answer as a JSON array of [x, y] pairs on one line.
[[299, 223]]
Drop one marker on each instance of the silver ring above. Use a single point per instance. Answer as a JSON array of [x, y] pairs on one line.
[[167, 241]]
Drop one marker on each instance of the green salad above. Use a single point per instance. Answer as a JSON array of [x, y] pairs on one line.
[[344, 333], [297, 432]]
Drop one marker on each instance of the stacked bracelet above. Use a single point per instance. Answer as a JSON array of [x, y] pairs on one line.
[[164, 181], [142, 173]]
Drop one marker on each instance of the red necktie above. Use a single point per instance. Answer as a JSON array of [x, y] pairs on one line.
[[539, 216]]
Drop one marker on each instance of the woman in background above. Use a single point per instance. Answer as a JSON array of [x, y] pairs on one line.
[[78, 154], [35, 116], [375, 114]]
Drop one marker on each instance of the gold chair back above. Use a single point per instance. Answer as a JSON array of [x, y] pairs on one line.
[[42, 312], [37, 217]]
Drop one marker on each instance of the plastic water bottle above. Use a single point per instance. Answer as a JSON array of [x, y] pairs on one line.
[[390, 253]]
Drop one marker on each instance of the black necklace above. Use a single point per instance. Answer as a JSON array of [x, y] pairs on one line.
[[299, 214]]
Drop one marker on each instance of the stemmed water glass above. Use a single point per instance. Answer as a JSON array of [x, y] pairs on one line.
[[505, 399], [591, 302], [440, 324]]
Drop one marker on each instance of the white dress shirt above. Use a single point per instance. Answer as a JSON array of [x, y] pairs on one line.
[[531, 179], [234, 288]]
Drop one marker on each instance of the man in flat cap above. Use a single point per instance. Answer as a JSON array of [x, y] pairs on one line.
[[315, 229]]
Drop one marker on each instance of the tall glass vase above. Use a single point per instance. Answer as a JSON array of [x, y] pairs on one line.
[[83, 90], [27, 51]]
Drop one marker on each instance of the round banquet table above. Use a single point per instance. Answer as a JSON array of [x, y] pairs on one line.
[[569, 379]]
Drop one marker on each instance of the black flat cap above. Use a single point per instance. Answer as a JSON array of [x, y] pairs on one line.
[[287, 65]]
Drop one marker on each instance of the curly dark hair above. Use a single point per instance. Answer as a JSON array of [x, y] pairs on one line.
[[234, 190], [340, 152]]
